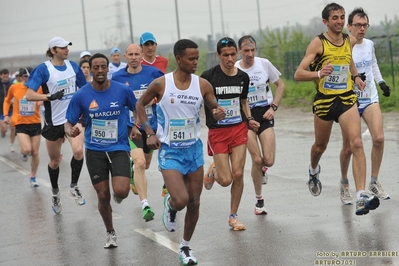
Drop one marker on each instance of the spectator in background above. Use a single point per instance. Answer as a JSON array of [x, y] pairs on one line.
[[16, 77], [84, 65], [5, 85], [150, 58], [116, 63], [85, 55]]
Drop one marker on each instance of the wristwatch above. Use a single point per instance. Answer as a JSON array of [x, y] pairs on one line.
[[275, 107]]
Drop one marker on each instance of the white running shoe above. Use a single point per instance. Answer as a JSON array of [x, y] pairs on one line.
[[33, 182], [265, 177], [366, 203], [377, 190], [169, 216], [346, 197], [186, 256], [77, 195], [260, 208], [24, 157], [111, 241], [56, 203], [314, 183]]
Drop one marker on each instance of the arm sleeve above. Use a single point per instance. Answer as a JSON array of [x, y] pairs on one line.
[[376, 70]]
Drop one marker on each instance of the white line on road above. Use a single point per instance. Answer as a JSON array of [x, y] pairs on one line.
[[23, 170], [160, 239]]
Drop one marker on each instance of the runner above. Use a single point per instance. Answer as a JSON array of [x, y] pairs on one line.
[[27, 121], [180, 157], [227, 139], [59, 79], [102, 103], [138, 77], [263, 106], [330, 62]]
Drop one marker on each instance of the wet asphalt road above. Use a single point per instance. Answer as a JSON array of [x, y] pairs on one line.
[[299, 229]]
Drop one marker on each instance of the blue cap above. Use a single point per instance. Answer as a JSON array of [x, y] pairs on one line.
[[147, 37], [115, 50]]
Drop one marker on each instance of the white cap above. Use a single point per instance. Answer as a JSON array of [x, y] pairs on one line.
[[58, 42], [84, 53]]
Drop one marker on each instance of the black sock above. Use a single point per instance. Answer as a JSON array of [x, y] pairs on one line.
[[76, 168], [54, 173]]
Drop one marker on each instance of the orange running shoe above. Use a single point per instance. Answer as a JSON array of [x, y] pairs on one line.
[[236, 225], [164, 191], [209, 178]]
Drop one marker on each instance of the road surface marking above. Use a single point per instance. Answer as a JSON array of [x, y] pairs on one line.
[[160, 239]]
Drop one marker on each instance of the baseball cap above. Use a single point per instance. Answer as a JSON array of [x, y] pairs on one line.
[[84, 53], [147, 37], [115, 50], [58, 42]]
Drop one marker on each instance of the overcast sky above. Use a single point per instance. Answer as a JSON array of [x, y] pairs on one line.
[[27, 26]]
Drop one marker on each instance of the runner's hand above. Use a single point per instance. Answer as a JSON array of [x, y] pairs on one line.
[[384, 87], [56, 96]]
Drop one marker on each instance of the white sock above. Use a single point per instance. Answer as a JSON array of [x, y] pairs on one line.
[[358, 193], [184, 243], [315, 170], [144, 203]]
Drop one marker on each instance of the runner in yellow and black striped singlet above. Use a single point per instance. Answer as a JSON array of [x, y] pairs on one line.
[[339, 56], [328, 62]]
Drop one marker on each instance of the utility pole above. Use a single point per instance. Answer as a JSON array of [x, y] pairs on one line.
[[221, 15], [260, 27], [177, 21], [130, 21], [84, 25]]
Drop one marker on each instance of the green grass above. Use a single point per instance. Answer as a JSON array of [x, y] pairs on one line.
[[300, 95]]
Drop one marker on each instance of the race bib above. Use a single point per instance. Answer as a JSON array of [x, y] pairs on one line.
[[257, 95], [104, 131], [232, 108], [182, 132], [26, 108], [68, 85], [364, 96], [338, 79]]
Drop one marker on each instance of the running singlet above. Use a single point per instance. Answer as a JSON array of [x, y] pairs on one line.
[[25, 112], [365, 61], [52, 79], [261, 74], [229, 91], [339, 57], [178, 114], [105, 116], [139, 82]]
